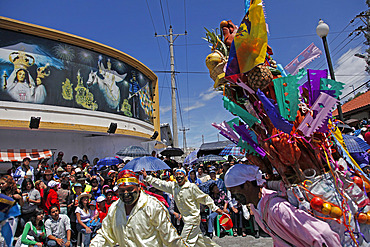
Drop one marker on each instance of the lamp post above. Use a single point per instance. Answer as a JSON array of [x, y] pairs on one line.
[[322, 30]]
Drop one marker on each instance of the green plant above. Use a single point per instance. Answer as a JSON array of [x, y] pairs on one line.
[[214, 38]]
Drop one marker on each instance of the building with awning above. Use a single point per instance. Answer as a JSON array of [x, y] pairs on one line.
[[61, 92]]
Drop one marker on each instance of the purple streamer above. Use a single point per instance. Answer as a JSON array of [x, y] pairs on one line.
[[245, 135], [226, 131], [227, 137], [272, 111], [314, 77], [320, 111]]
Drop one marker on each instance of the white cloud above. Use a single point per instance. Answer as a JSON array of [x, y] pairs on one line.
[[203, 98], [351, 71], [195, 106], [209, 94], [164, 109]]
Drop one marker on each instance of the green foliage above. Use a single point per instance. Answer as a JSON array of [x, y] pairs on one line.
[[214, 38]]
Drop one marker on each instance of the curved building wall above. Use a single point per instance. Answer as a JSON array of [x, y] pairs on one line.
[[77, 87]]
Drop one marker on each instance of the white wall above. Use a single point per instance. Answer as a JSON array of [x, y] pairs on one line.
[[67, 115], [71, 143]]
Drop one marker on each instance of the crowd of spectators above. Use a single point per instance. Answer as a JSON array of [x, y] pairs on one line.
[[63, 204]]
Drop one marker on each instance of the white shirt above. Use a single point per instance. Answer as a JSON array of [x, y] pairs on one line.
[[85, 217], [148, 225], [187, 197]]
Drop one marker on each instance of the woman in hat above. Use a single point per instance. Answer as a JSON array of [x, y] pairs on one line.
[[83, 217], [47, 176], [51, 196]]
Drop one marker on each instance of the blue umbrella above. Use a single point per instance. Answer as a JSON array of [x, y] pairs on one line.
[[108, 161], [148, 163], [205, 186], [191, 158]]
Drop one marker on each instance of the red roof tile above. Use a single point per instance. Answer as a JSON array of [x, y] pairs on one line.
[[360, 101]]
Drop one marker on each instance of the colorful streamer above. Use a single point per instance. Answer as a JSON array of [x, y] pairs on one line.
[[246, 136], [249, 46], [287, 96], [273, 113], [320, 111], [237, 110]]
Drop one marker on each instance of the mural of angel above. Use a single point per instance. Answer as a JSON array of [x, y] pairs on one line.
[[106, 80]]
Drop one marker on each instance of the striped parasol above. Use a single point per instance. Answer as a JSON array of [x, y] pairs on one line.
[[232, 149], [191, 158]]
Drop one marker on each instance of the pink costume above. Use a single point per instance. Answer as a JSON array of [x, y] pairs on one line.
[[292, 224]]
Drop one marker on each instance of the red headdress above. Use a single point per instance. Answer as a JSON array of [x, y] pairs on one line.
[[127, 177]]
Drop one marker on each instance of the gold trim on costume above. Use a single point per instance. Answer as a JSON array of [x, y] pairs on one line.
[[127, 180], [3, 200]]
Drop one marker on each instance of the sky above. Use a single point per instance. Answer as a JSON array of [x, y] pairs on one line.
[[130, 26]]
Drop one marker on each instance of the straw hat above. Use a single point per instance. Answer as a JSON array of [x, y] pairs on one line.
[[48, 172], [83, 195]]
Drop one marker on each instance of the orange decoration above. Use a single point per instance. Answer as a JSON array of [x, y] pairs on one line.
[[358, 181], [361, 218], [336, 212]]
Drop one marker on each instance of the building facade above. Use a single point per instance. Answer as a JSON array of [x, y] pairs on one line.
[[78, 90]]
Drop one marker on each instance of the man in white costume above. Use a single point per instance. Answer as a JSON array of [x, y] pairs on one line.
[[188, 198], [136, 219]]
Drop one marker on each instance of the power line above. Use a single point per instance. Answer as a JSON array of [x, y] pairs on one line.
[[322, 62], [159, 48], [151, 17], [180, 72], [187, 63], [355, 89], [339, 49], [179, 103], [349, 55], [164, 20], [284, 37], [168, 11]]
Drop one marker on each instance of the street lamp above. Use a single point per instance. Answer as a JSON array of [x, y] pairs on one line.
[[322, 30]]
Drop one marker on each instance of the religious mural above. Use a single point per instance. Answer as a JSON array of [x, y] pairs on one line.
[[42, 71]]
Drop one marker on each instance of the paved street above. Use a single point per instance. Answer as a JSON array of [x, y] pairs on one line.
[[230, 241]]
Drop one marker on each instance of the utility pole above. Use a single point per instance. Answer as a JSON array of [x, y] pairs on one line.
[[353, 90], [183, 129], [173, 84]]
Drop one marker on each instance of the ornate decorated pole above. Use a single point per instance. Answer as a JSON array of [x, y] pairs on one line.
[[5, 76]]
